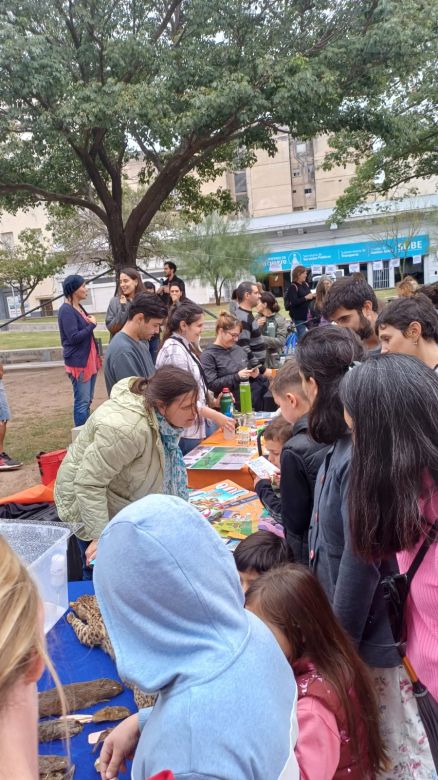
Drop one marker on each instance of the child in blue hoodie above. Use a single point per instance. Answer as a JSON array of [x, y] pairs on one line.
[[172, 602]]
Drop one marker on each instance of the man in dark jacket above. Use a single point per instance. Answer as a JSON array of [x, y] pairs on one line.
[[300, 460]]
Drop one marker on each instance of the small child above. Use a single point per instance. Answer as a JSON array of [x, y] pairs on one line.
[[275, 436], [338, 716], [300, 460], [258, 553]]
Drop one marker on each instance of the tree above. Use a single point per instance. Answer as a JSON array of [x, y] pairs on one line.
[[28, 264], [175, 87], [398, 145], [83, 237], [217, 251]]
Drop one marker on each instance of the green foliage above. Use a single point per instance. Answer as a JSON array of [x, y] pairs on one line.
[[398, 143], [28, 264], [170, 87], [217, 251]]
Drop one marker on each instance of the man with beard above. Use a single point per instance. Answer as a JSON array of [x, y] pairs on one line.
[[351, 303]]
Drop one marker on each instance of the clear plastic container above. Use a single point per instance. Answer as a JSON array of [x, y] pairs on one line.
[[43, 548]]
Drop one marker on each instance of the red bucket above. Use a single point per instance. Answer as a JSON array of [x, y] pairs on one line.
[[49, 463]]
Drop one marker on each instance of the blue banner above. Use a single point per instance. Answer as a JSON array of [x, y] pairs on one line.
[[341, 254]]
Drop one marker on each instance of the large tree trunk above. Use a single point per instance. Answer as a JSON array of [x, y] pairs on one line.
[[124, 256]]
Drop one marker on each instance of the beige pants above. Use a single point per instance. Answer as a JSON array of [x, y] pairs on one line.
[[406, 742]]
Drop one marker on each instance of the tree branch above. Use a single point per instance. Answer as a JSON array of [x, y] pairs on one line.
[[50, 197], [166, 19], [150, 154]]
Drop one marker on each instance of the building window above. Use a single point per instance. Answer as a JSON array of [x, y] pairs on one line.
[[308, 190], [298, 208], [301, 147], [296, 172], [241, 190]]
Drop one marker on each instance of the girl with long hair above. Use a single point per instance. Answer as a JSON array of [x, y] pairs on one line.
[[317, 305], [130, 283], [183, 329], [127, 450], [392, 403], [352, 584], [338, 718]]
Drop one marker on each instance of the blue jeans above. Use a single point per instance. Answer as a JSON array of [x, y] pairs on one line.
[[187, 445], [87, 571], [83, 393], [301, 327]]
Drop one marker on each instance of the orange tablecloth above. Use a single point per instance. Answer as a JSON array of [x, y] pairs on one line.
[[200, 478]]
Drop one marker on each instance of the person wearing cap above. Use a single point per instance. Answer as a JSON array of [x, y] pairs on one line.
[[81, 357]]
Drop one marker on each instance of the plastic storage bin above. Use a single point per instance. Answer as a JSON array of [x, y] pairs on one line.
[[43, 548]]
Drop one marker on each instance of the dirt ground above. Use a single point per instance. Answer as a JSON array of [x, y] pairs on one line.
[[41, 403]]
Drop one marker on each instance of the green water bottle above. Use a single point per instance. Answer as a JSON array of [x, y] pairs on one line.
[[227, 402], [245, 398]]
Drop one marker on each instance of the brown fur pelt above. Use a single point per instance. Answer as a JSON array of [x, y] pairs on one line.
[[87, 622]]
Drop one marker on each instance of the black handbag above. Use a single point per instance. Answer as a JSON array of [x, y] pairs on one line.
[[396, 588]]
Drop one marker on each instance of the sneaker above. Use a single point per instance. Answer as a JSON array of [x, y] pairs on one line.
[[7, 463]]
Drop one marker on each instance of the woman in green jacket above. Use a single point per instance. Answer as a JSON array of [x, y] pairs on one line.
[[127, 449]]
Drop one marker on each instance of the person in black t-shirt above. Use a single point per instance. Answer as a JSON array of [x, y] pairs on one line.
[[297, 299], [170, 278]]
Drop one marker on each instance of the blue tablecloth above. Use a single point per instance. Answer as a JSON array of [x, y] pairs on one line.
[[76, 663]]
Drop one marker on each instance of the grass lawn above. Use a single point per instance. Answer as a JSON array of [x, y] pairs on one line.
[[43, 338], [41, 434]]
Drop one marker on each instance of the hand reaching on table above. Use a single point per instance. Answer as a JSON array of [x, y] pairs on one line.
[[228, 423], [119, 746]]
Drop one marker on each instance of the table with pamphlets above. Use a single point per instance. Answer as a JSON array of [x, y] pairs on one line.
[[218, 458]]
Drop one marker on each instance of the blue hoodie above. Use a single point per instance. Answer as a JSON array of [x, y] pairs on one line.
[[171, 599]]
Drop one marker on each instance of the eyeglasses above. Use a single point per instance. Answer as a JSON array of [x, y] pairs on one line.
[[233, 335]]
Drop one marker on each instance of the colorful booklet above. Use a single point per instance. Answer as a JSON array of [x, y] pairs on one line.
[[233, 511], [263, 468]]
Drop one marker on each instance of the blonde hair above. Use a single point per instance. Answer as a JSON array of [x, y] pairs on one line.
[[227, 321], [20, 633], [21, 638]]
